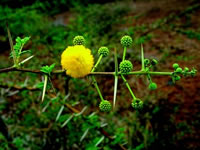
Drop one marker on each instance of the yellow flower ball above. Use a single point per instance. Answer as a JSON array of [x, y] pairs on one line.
[[77, 61]]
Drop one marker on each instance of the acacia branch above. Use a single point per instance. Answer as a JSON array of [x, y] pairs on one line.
[[15, 87], [12, 69]]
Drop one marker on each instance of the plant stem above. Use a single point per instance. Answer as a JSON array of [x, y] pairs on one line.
[[124, 53], [149, 78], [150, 72], [11, 69], [97, 87], [116, 63], [17, 58], [97, 63], [94, 80], [142, 58], [129, 88]]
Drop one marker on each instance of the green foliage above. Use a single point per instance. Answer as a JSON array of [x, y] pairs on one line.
[[3, 142], [26, 21], [19, 143], [48, 69], [191, 34], [40, 85], [120, 136], [33, 124], [55, 40], [143, 39], [19, 46], [139, 147], [92, 22]]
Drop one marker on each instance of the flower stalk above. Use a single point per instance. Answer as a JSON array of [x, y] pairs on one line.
[[97, 63], [129, 88], [124, 53], [94, 80], [97, 87]]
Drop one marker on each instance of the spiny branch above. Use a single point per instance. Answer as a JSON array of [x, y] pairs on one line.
[[15, 87], [11, 69]]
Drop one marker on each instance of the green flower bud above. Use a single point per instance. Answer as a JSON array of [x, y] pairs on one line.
[[79, 40], [146, 62], [125, 66], [105, 106], [175, 66], [176, 78], [103, 51], [152, 86], [137, 104], [186, 69], [154, 62], [179, 70], [126, 41], [193, 72]]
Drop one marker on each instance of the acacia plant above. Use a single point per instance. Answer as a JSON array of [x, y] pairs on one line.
[[78, 62]]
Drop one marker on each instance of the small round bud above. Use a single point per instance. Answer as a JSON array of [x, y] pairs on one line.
[[179, 70], [103, 51], [152, 86], [186, 69], [176, 78], [105, 106], [154, 62], [79, 40], [126, 41], [137, 104], [146, 62], [125, 66], [193, 72], [175, 66]]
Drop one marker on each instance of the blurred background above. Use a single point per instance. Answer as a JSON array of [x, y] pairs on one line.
[[69, 117]]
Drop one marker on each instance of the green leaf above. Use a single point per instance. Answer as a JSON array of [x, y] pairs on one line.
[[18, 47], [47, 69], [18, 39], [25, 40], [40, 85], [18, 142]]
